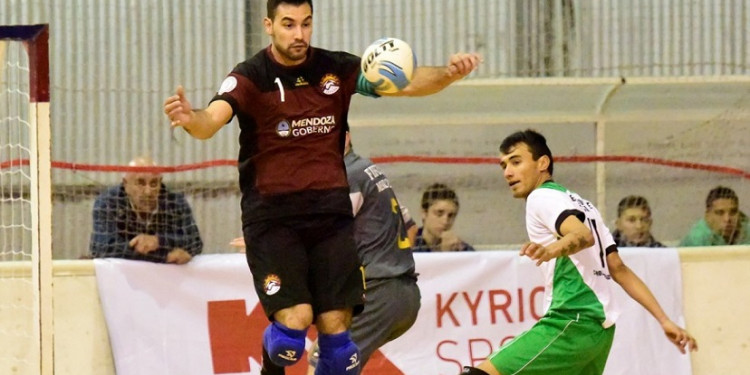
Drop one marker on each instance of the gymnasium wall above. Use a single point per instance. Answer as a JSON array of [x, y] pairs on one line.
[[109, 78], [714, 291]]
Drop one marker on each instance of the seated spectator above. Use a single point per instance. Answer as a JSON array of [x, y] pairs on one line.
[[722, 224], [633, 224], [439, 211], [141, 220]]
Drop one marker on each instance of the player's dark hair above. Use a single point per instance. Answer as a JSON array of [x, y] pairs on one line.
[[633, 201], [536, 142], [438, 192], [271, 6], [721, 192]]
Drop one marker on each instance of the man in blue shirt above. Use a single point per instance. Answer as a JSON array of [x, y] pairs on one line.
[[141, 220]]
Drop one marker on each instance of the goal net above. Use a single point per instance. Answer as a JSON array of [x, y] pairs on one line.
[[25, 248], [15, 152]]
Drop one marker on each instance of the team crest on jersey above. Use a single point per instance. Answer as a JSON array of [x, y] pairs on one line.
[[282, 129], [271, 284], [330, 84], [228, 85]]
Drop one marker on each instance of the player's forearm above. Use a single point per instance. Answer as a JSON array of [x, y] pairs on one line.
[[429, 80], [202, 125], [637, 290], [572, 243]]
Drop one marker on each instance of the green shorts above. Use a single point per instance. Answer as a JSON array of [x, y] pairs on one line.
[[556, 346]]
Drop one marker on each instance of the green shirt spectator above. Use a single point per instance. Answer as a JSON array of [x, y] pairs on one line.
[[702, 235], [723, 223]]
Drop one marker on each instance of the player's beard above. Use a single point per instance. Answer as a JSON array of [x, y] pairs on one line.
[[296, 52]]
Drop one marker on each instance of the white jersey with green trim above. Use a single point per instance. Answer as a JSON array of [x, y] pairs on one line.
[[577, 285]]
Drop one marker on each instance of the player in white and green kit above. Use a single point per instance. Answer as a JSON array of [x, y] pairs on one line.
[[579, 258]]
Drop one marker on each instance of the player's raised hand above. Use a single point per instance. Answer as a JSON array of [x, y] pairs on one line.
[[462, 64], [679, 337], [178, 108]]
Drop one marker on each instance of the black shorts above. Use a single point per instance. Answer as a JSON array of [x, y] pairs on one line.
[[308, 259]]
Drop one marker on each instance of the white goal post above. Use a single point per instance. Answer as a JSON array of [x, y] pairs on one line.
[[25, 177]]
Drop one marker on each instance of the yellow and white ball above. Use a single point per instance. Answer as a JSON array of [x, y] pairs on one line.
[[389, 64]]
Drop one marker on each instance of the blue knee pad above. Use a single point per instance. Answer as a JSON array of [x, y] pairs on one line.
[[285, 346], [338, 355]]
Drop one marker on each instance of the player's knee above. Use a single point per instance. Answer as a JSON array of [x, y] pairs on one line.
[[468, 370], [338, 355], [284, 345]]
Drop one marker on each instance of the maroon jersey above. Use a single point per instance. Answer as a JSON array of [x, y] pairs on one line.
[[292, 127]]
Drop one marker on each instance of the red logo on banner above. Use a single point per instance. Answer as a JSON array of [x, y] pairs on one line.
[[236, 338], [380, 365]]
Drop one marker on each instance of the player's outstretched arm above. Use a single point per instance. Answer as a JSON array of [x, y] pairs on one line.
[[431, 79], [200, 123], [637, 289]]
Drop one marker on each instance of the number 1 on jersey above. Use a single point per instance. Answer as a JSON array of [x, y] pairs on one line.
[[281, 88]]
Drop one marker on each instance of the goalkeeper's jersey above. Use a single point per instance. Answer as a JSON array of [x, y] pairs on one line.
[[577, 285]]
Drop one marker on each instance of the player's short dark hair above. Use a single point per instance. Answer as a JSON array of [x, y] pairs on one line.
[[438, 192], [536, 142], [721, 192], [271, 5], [633, 201]]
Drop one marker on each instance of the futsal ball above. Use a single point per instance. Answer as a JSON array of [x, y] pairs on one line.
[[389, 64]]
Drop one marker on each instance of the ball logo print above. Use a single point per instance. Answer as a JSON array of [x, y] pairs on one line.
[[388, 64]]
